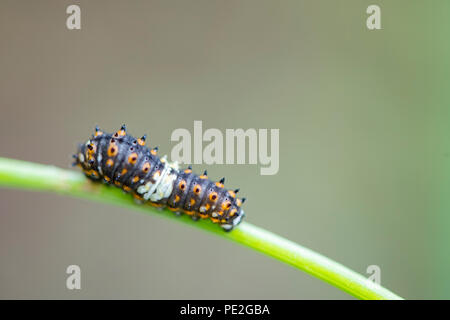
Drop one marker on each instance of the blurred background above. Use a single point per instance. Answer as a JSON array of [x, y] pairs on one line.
[[364, 141]]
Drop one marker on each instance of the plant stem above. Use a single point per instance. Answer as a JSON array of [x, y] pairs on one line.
[[33, 176]]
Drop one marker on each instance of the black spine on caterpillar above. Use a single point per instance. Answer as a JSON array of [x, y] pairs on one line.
[[124, 161]]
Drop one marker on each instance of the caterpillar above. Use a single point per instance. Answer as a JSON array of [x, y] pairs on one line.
[[126, 162]]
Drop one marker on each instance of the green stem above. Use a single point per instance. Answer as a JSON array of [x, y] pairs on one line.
[[32, 176]]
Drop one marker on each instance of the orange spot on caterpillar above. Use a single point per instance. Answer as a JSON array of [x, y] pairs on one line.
[[109, 163], [156, 175], [213, 196], [132, 158], [112, 149], [121, 132], [91, 148], [226, 205], [94, 173], [146, 167], [141, 141], [138, 197], [197, 189]]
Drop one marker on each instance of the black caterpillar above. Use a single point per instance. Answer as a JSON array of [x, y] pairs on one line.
[[124, 161]]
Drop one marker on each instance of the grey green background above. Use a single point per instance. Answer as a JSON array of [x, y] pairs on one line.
[[363, 118]]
